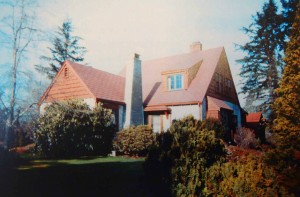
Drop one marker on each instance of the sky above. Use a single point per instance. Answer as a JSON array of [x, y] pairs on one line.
[[113, 30]]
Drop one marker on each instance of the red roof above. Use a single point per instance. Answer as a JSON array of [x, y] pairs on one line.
[[102, 85], [217, 104], [153, 93], [254, 117], [107, 86]]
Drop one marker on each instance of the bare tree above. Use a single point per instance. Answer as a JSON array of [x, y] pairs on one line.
[[18, 34]]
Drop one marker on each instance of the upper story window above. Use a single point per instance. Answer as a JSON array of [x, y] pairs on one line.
[[219, 83], [66, 73], [175, 82], [228, 87]]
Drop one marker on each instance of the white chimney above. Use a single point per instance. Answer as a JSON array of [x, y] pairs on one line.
[[196, 46], [134, 93]]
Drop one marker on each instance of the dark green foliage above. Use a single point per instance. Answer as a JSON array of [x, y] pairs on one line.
[[134, 141], [286, 127], [212, 124], [71, 129], [262, 65], [182, 155], [263, 62], [248, 176], [65, 47]]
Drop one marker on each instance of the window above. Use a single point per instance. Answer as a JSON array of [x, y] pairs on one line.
[[175, 82], [228, 87], [219, 83], [66, 73]]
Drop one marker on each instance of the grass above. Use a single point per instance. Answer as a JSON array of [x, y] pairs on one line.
[[90, 176]]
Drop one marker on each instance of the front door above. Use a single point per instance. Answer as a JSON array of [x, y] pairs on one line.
[[156, 123]]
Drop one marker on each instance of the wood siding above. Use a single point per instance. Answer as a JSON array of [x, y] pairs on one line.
[[66, 85], [223, 70]]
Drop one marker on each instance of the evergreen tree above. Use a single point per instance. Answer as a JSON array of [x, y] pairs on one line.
[[288, 16], [260, 67], [287, 105], [65, 47]]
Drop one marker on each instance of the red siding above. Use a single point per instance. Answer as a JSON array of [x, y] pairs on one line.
[[67, 86]]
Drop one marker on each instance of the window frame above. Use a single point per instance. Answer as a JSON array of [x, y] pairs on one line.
[[175, 82]]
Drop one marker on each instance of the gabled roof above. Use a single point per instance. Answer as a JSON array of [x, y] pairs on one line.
[[153, 93], [254, 117], [102, 85]]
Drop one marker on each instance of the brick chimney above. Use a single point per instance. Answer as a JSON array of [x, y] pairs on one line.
[[196, 46], [133, 93]]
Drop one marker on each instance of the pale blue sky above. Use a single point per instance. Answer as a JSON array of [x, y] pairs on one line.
[[115, 29]]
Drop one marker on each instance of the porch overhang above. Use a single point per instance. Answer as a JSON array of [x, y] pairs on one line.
[[217, 104], [157, 108]]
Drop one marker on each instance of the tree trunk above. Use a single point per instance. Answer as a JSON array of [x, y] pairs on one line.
[[10, 117]]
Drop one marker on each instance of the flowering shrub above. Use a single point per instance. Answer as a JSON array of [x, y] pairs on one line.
[[134, 141]]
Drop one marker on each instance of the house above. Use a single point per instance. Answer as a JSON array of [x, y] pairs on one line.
[[155, 92], [258, 123]]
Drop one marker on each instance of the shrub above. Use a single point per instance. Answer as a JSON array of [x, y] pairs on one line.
[[71, 129], [248, 176], [245, 138], [134, 141], [182, 155], [212, 124]]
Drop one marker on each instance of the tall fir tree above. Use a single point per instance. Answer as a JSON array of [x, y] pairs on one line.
[[262, 66], [288, 16], [65, 47], [287, 105]]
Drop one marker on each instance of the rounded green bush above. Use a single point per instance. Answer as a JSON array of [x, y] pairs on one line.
[[70, 129], [134, 141]]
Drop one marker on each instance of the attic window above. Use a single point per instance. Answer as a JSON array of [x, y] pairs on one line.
[[219, 83], [228, 87], [175, 82], [66, 72]]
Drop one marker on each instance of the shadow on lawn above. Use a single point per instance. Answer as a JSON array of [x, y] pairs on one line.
[[97, 179]]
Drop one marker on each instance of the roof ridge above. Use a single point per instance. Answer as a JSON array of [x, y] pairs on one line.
[[182, 54], [91, 67]]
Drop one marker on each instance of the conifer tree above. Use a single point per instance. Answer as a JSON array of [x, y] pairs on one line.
[[64, 47], [287, 105], [260, 67]]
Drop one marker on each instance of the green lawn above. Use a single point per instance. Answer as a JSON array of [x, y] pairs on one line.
[[91, 176]]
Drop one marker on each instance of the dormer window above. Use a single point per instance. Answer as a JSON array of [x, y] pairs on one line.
[[175, 82]]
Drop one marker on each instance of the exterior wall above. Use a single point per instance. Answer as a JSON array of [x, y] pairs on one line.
[[42, 107], [122, 113], [223, 69], [166, 122], [91, 102], [213, 114], [204, 108], [66, 86], [192, 72], [237, 112], [181, 111]]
